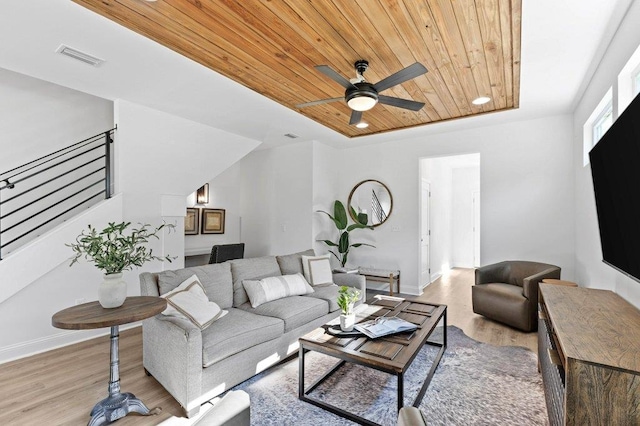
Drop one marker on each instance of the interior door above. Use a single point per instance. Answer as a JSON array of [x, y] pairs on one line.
[[476, 228], [425, 234]]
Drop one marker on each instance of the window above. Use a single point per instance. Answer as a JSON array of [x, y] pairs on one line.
[[635, 77], [602, 123], [597, 124], [629, 81]]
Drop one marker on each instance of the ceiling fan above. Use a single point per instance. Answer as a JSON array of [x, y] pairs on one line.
[[361, 95]]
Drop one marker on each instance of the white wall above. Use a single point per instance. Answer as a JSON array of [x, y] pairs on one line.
[[39, 117], [276, 200], [325, 190], [526, 193], [590, 271]]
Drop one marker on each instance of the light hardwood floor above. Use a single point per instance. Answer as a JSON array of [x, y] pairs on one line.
[[61, 386]]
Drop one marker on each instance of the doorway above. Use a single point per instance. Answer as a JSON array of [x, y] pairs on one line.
[[449, 214]]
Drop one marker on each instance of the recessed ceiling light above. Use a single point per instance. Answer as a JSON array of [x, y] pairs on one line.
[[481, 100], [362, 125]]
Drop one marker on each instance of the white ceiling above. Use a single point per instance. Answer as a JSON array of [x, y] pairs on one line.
[[562, 42]]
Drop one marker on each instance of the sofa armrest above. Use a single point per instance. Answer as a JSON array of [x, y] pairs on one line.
[[149, 284], [232, 410], [411, 416], [495, 273], [352, 280], [172, 353], [530, 284]]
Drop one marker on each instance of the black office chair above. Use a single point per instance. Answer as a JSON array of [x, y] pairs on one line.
[[223, 252]]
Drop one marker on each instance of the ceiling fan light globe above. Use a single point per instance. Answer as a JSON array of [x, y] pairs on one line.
[[362, 103], [361, 97]]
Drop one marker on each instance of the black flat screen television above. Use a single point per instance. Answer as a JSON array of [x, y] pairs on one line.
[[615, 169]]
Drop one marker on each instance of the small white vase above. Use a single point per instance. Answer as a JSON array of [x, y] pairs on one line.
[[347, 321], [112, 291]]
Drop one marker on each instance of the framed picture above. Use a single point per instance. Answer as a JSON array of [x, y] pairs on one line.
[[213, 221], [192, 221]]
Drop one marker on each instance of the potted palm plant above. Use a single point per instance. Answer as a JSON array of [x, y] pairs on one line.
[[113, 250], [347, 297], [340, 219]]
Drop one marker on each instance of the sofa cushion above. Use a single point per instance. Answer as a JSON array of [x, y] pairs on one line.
[[292, 263], [273, 288], [295, 311], [235, 332], [190, 302], [255, 268], [328, 294], [216, 280]]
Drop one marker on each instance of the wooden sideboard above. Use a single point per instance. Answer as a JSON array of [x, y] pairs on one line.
[[589, 356]]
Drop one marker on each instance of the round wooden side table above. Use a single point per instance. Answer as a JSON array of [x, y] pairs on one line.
[[559, 282], [91, 315]]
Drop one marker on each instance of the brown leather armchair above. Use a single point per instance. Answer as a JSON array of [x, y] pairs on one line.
[[507, 292]]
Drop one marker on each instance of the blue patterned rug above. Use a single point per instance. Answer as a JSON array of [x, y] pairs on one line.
[[475, 384]]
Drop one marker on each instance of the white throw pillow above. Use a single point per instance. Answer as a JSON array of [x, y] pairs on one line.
[[317, 270], [273, 288], [190, 302]]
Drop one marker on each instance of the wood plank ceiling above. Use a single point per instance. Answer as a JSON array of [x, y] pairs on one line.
[[471, 48]]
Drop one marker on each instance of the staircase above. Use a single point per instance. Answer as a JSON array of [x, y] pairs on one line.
[[43, 193]]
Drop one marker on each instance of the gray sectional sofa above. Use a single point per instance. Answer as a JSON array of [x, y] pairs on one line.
[[195, 366]]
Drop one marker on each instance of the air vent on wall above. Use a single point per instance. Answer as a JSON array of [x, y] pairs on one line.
[[291, 136], [78, 55]]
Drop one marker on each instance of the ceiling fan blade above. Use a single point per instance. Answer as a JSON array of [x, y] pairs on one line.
[[412, 71], [400, 103], [320, 102], [326, 70], [356, 117]]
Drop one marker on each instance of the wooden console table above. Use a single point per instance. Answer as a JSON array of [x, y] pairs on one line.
[[588, 346], [91, 315]]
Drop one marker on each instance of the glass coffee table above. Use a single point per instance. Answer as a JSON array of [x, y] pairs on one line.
[[391, 354]]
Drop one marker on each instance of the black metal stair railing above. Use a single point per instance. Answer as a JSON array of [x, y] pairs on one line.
[[42, 193], [376, 207]]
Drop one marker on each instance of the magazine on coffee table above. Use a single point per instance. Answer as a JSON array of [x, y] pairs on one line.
[[383, 326]]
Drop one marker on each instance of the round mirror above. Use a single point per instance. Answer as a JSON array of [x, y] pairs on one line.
[[373, 198]]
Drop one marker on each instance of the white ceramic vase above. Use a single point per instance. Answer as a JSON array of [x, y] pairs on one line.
[[112, 291], [347, 321]]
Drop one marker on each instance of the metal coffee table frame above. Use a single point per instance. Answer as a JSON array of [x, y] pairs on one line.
[[303, 393]]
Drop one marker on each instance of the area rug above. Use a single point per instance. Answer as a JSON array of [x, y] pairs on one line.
[[475, 384]]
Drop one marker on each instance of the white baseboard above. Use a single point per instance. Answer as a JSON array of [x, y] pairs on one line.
[[54, 341], [435, 276]]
